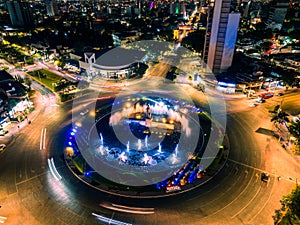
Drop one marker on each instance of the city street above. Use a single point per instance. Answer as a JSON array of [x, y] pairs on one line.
[[31, 195], [149, 112]]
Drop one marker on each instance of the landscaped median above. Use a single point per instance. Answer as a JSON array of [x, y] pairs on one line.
[[45, 77], [57, 84]]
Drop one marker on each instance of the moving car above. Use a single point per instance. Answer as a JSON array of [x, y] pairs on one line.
[[84, 112]]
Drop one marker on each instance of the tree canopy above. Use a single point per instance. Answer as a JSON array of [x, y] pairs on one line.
[[280, 116], [294, 129], [289, 213]]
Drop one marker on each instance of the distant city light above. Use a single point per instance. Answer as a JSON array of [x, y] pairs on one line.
[[151, 5]]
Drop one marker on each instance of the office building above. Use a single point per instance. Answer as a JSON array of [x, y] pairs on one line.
[[51, 7], [277, 14], [20, 13], [221, 33]]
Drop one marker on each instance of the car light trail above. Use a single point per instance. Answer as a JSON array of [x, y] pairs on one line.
[[53, 170], [134, 208], [109, 221], [43, 139], [127, 209], [2, 219]]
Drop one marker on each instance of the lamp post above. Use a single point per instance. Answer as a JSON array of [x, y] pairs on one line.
[[39, 75]]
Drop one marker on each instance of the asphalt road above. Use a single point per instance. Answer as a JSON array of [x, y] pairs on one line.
[[29, 194]]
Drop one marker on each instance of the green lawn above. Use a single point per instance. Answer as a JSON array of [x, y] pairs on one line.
[[45, 77]]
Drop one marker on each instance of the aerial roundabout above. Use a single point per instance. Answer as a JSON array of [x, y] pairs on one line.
[[151, 139], [144, 144]]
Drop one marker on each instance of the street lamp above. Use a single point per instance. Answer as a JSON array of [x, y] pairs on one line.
[[39, 75]]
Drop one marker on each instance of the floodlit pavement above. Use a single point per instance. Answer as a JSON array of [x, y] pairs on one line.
[[29, 194]]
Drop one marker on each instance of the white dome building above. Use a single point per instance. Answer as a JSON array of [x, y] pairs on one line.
[[118, 63]]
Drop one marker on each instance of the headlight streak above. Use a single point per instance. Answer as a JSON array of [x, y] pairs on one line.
[[43, 139], [2, 219], [127, 209], [109, 221], [53, 169]]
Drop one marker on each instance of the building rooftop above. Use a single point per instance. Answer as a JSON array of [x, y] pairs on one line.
[[13, 88], [5, 75], [119, 58]]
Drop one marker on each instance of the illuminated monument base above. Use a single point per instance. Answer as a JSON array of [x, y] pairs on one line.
[[154, 133], [140, 137]]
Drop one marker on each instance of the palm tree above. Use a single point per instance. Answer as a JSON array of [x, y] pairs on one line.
[[28, 82], [294, 129], [275, 110], [280, 116]]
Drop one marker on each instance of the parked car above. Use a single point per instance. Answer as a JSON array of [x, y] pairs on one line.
[[265, 177], [252, 105], [266, 96], [261, 100], [3, 132], [2, 147], [280, 94]]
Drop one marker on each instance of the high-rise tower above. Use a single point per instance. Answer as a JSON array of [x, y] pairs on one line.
[[221, 33], [50, 4], [20, 13], [277, 13]]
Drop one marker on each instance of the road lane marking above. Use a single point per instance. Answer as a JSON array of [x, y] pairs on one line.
[[32, 178], [235, 199], [293, 180], [243, 164], [266, 202], [242, 209]]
